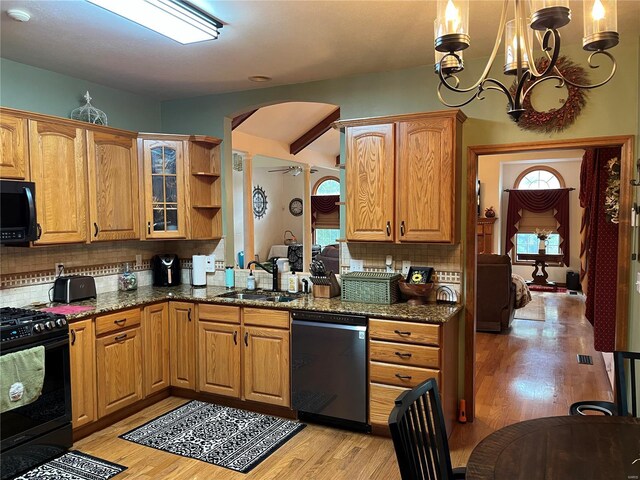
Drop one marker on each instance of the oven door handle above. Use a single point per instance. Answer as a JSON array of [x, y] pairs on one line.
[[59, 342]]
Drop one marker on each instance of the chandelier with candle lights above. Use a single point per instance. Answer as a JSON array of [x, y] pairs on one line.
[[544, 18]]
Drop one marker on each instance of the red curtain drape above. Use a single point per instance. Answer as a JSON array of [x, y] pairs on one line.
[[599, 248], [539, 201], [323, 204]]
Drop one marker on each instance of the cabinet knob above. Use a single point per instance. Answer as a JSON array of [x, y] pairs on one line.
[[388, 229], [402, 228]]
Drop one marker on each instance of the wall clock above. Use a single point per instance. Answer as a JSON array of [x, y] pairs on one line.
[[259, 202], [295, 207]]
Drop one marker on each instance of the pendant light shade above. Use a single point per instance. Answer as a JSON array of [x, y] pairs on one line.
[[549, 14], [511, 48], [600, 25], [452, 25]]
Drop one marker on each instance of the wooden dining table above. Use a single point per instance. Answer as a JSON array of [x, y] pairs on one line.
[[563, 448]]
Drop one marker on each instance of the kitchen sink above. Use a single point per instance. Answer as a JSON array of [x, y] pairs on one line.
[[263, 297], [244, 296]]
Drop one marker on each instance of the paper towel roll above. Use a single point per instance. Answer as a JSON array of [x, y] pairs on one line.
[[199, 272]]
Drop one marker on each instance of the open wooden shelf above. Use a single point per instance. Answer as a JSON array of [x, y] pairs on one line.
[[205, 174], [207, 207]]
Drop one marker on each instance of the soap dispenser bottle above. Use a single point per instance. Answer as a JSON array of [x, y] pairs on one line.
[[293, 283], [251, 281]]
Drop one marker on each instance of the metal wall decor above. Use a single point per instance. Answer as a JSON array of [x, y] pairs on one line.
[[89, 113], [295, 207], [259, 202]]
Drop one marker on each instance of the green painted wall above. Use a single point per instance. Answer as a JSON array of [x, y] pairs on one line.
[[38, 90]]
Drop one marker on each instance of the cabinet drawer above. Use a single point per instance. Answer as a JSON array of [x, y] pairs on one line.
[[116, 321], [401, 375], [218, 313], [404, 354], [381, 401], [406, 332], [265, 317]]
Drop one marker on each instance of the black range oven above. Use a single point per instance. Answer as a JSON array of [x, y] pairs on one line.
[[41, 430]]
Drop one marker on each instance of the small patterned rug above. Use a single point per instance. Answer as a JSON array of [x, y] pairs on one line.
[[227, 437], [74, 465]]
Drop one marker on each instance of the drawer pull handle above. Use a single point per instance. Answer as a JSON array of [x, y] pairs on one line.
[[388, 229], [403, 377], [73, 337], [246, 338], [120, 337], [403, 355], [121, 322], [400, 332], [235, 338], [97, 230], [402, 228], [189, 315]]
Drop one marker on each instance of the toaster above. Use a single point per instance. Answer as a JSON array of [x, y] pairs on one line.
[[73, 288]]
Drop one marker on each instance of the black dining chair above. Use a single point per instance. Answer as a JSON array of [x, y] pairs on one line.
[[419, 435], [623, 362]]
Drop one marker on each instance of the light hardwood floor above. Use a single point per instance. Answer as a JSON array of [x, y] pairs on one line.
[[528, 373]]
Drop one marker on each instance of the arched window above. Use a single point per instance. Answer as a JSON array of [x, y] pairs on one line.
[[327, 186], [326, 227], [538, 177]]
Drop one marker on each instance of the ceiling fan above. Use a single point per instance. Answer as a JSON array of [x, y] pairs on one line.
[[293, 170]]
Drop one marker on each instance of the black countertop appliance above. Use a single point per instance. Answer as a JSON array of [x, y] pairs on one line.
[[166, 270]]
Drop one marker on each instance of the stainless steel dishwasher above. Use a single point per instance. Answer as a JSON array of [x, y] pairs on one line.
[[329, 368]]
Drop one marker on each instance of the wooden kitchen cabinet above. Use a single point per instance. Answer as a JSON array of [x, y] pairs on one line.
[[163, 184], [205, 188], [266, 365], [119, 365], [57, 159], [403, 355], [14, 153], [155, 327], [82, 354], [403, 177], [219, 349], [113, 186], [370, 183], [182, 341]]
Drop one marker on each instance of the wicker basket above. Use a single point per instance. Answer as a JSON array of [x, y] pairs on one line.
[[370, 287]]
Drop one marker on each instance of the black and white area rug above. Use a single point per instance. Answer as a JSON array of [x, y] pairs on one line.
[[74, 465], [227, 437]]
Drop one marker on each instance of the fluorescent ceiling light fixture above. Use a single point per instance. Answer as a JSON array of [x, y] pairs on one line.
[[172, 18]]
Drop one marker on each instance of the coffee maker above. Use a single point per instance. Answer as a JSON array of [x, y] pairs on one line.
[[166, 270]]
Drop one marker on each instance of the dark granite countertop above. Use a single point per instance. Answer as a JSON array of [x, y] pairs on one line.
[[113, 301]]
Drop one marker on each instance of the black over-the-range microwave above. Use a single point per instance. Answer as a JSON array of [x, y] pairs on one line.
[[18, 222]]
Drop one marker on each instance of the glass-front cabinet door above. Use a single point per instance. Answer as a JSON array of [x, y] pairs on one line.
[[164, 189]]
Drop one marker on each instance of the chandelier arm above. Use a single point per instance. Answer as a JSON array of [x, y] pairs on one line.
[[498, 86], [553, 57], [444, 80], [457, 105], [606, 80], [560, 79]]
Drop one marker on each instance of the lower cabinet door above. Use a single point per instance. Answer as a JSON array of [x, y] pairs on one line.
[[119, 361], [82, 353], [182, 341], [156, 348], [266, 365], [219, 358]]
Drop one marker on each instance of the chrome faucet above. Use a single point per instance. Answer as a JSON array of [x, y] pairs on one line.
[[274, 270]]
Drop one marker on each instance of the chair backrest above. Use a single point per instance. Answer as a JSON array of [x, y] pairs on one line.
[[419, 435], [626, 399]]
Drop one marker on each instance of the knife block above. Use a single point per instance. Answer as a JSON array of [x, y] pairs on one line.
[[325, 287]]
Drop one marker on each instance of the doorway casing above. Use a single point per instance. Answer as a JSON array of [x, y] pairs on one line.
[[626, 143]]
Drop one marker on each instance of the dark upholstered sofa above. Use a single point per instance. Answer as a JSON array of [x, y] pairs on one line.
[[330, 256], [496, 294]]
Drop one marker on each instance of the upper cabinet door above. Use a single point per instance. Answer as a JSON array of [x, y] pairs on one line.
[[15, 151], [165, 197], [426, 180], [57, 157], [113, 187], [370, 183]]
